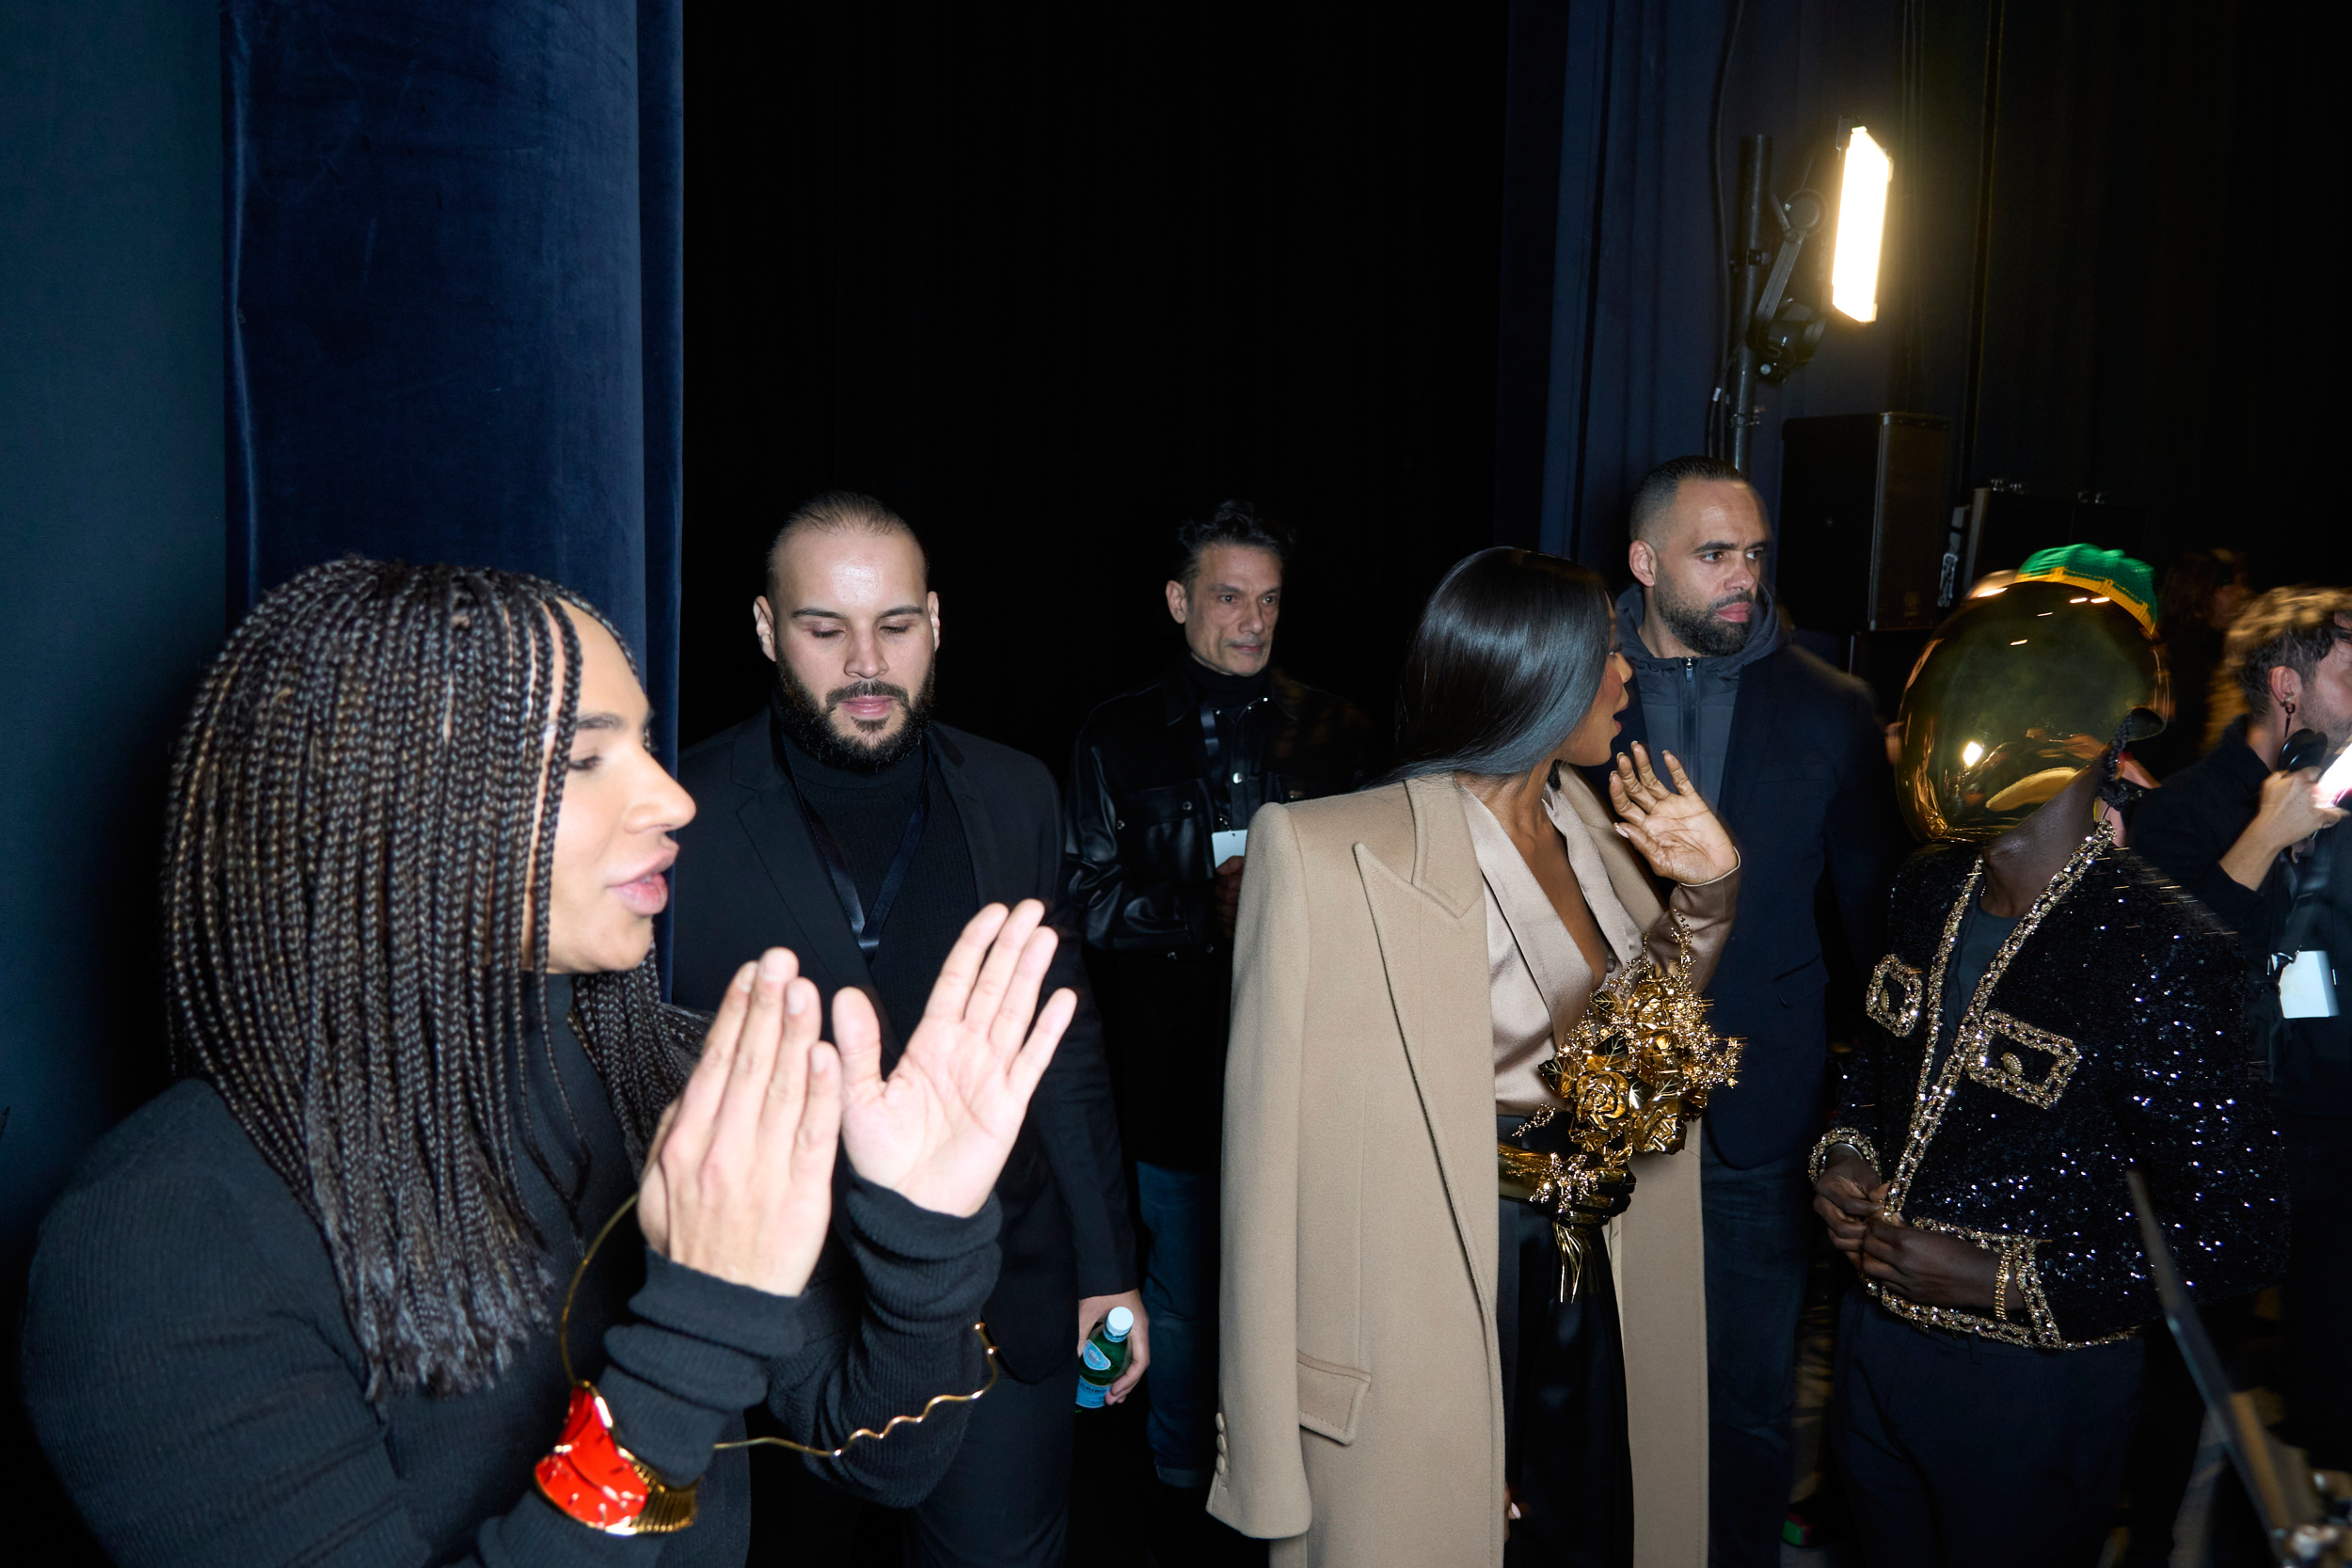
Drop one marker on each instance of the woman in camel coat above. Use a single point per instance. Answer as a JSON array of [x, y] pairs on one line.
[[1397, 1375]]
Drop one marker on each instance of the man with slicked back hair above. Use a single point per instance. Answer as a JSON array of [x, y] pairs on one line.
[[1163, 783]]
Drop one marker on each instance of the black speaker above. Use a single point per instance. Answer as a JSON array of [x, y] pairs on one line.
[[2005, 525], [1863, 525]]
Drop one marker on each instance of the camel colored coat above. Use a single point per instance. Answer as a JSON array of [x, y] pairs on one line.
[[1360, 1416]]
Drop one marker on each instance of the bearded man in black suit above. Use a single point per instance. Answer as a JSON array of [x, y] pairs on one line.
[[843, 823], [1790, 753]]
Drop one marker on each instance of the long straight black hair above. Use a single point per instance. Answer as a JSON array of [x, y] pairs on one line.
[[355, 834], [1504, 664]]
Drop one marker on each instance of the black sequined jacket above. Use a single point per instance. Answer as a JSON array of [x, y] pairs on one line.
[[2104, 1035]]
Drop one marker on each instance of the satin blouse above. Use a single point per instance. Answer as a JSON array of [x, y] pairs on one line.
[[1537, 981]]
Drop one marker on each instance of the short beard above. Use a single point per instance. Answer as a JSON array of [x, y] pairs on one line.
[[1696, 625], [809, 722]]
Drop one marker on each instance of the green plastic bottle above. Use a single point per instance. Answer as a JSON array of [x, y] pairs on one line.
[[1105, 1357]]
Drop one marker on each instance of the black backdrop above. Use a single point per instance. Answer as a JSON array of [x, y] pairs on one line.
[[2163, 266], [1049, 281]]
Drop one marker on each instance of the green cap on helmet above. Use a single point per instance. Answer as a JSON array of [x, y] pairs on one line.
[[2022, 687]]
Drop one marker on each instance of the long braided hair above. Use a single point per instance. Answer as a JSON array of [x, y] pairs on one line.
[[357, 958]]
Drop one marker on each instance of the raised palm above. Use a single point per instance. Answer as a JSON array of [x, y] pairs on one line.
[[1673, 828], [938, 1130]]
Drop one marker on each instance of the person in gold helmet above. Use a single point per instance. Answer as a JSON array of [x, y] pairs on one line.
[[2052, 1013]]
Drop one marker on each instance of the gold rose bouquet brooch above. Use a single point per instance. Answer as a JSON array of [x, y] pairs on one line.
[[1632, 1075]]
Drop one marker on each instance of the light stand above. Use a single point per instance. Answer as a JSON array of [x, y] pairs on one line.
[[1773, 334]]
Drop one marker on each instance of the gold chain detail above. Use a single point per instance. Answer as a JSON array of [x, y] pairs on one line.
[[1934, 1095]]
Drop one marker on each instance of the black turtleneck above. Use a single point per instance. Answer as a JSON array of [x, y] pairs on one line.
[[1223, 691], [866, 813]]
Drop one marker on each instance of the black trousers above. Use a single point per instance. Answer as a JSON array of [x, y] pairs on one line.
[[1566, 1459], [1759, 1238], [1004, 1503], [1960, 1452]]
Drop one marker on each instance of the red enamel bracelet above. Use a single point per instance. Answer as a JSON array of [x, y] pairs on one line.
[[592, 1479], [589, 1476]]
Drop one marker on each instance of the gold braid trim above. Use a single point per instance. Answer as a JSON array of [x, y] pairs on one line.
[[2038, 1331], [1936, 1088], [1832, 1139]]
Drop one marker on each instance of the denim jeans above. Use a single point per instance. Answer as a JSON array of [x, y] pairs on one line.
[[1760, 1230], [1180, 1222]]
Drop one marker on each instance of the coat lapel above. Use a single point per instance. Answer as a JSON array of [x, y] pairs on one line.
[[991, 876], [1752, 714], [1432, 928], [814, 927]]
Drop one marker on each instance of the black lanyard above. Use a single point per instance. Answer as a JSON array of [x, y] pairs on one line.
[[867, 925]]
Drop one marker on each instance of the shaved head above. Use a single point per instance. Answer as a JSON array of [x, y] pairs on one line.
[[840, 512], [1654, 498]]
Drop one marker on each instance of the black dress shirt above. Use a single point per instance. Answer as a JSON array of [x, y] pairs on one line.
[[867, 813]]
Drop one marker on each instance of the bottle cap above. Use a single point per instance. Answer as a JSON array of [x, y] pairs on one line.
[[1118, 1322]]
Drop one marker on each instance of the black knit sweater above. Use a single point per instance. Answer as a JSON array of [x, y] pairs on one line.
[[191, 1373]]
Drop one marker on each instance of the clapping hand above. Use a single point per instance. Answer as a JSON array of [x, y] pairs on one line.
[[739, 1183], [938, 1130], [1673, 828]]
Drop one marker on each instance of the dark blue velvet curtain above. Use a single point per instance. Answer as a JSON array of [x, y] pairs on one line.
[[455, 308], [1612, 315]]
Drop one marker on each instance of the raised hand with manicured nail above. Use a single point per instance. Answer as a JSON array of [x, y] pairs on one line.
[[938, 1130], [1672, 828]]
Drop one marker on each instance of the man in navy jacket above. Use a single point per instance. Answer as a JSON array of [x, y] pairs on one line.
[[1790, 754]]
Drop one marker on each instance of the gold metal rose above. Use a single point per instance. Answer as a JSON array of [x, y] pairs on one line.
[[1631, 1076]]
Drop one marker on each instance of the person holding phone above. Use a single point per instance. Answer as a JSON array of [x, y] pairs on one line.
[[2252, 830], [1163, 781]]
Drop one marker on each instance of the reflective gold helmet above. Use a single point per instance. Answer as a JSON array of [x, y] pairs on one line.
[[2026, 684]]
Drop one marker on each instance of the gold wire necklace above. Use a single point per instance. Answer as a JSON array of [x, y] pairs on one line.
[[564, 1348]]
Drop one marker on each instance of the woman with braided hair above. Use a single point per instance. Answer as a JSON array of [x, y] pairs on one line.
[[353, 1291]]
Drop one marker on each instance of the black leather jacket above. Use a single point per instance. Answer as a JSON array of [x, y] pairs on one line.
[[1136, 871], [2111, 1038], [1139, 808]]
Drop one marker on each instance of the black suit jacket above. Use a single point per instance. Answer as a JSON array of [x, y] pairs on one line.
[[748, 878], [1806, 792]]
